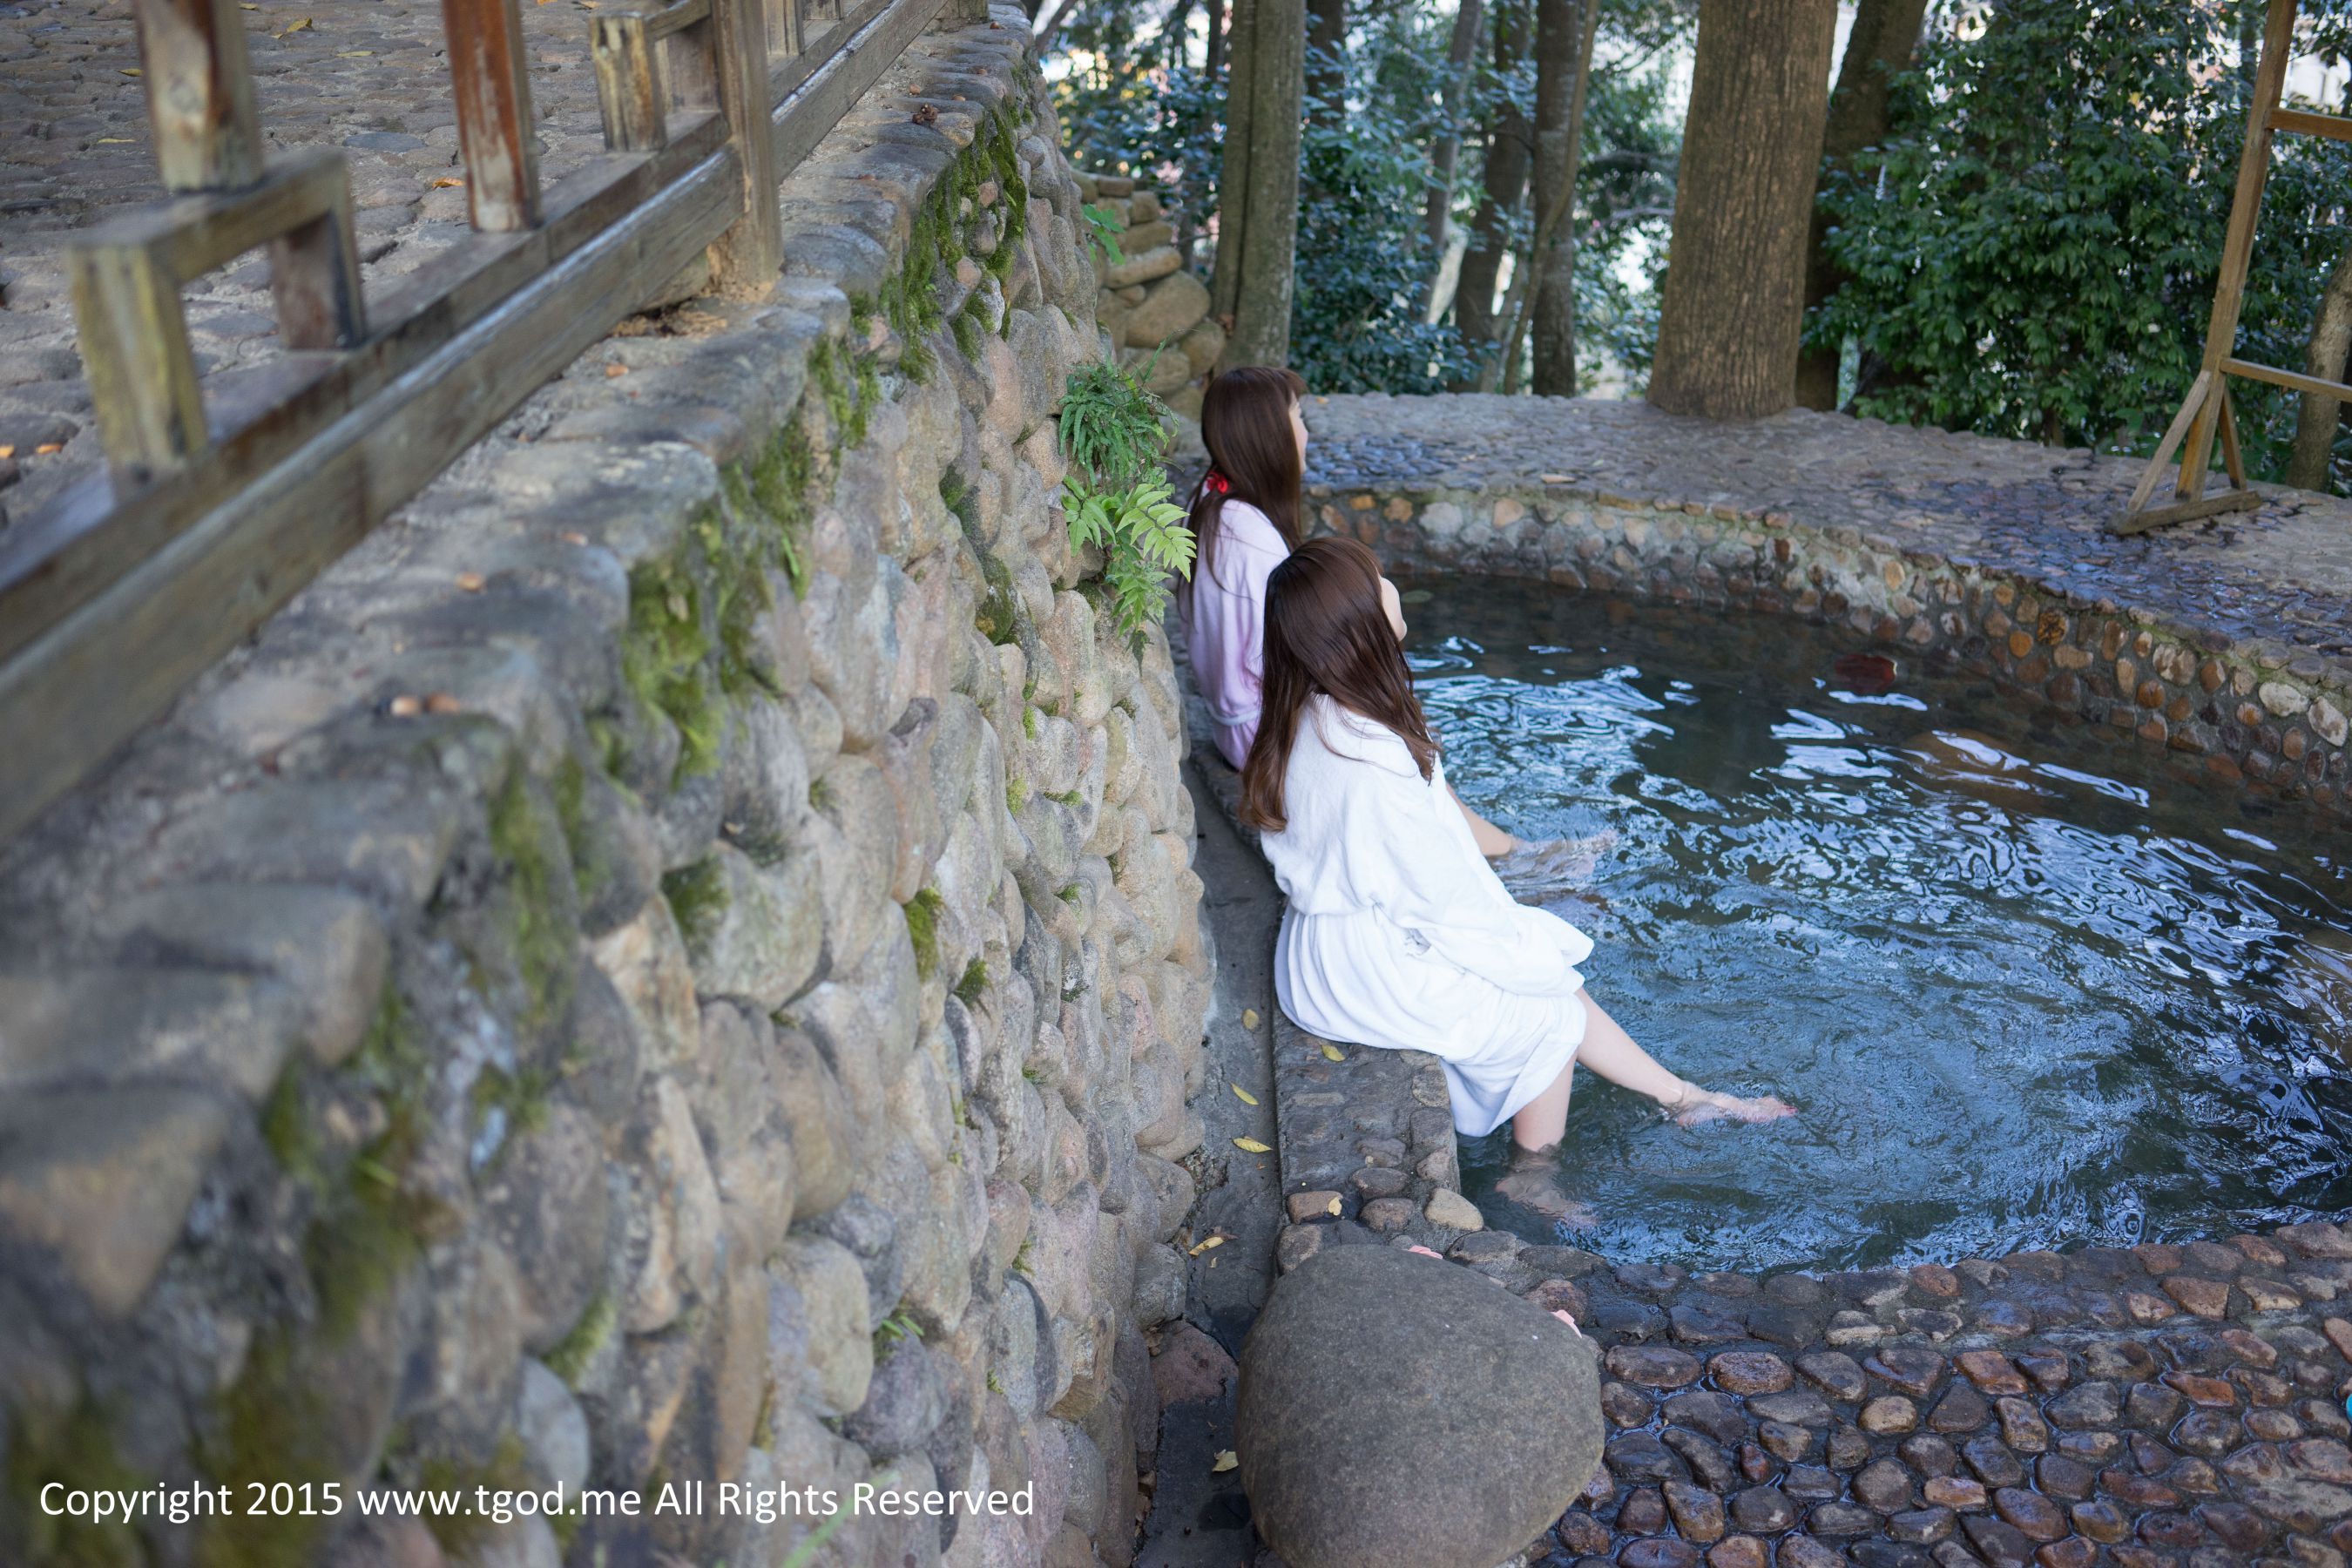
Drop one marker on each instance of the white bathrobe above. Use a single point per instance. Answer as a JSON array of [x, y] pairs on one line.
[[1398, 933]]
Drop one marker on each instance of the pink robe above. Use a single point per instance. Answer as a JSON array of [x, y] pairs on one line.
[[1224, 623]]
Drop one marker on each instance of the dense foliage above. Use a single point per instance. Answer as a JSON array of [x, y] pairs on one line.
[[2033, 252], [1136, 96]]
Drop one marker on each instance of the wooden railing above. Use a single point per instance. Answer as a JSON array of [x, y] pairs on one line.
[[213, 511]]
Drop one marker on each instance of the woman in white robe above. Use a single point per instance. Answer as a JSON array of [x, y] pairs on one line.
[[1398, 932]]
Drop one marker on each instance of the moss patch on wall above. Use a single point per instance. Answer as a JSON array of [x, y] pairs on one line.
[[268, 1430], [697, 898], [76, 1448], [922, 913]]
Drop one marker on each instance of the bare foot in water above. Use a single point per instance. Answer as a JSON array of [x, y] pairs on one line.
[[1709, 1106], [1538, 1187]]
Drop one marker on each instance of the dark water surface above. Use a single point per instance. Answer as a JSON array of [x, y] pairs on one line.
[[2025, 990]]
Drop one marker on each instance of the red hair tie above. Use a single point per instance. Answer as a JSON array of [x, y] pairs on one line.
[[1215, 484]]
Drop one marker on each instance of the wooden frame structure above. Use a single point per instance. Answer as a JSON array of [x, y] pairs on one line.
[[214, 510], [2207, 410]]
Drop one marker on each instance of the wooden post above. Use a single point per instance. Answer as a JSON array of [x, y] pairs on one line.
[[134, 346], [199, 94], [721, 63], [494, 119], [2237, 251], [314, 275], [628, 90], [785, 35]]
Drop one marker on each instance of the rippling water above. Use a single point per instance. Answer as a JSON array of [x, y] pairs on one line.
[[2024, 989]]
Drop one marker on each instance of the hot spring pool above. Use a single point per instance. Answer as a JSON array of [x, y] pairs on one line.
[[2024, 989]]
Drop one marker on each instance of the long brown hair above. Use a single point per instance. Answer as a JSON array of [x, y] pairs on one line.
[[1325, 630], [1245, 425]]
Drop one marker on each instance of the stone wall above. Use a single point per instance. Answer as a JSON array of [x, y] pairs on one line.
[[1154, 310], [675, 961]]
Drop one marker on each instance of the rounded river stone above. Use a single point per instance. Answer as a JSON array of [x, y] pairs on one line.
[[1398, 1412]]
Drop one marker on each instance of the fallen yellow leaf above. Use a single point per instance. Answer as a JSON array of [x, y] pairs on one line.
[[616, 368], [1249, 1017], [46, 448], [406, 707], [1251, 1146], [116, 140], [6, 452], [293, 28], [1204, 1246], [442, 702], [1226, 1459], [1332, 1051], [1244, 1096], [1333, 1207], [444, 182], [471, 581], [130, 70]]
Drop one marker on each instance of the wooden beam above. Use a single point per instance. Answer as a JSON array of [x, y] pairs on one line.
[[851, 62], [2130, 522], [677, 18], [2238, 249], [495, 132], [788, 73], [91, 680], [192, 235], [2292, 380], [127, 275], [2190, 406], [55, 560], [193, 61], [2335, 127]]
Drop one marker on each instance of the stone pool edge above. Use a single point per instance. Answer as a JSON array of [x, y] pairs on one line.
[[1742, 1424], [2251, 713]]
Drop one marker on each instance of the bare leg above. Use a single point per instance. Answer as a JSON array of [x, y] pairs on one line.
[[1541, 1120], [1610, 1051]]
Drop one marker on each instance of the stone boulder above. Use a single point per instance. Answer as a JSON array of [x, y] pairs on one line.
[[1400, 1412], [1174, 307]]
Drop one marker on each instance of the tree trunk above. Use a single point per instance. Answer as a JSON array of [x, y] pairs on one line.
[[1509, 141], [2314, 419], [1327, 59], [1214, 58], [1885, 35], [1565, 31], [1734, 292], [1446, 152], [1257, 193]]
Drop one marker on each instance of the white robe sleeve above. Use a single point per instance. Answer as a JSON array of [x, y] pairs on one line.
[[1409, 853]]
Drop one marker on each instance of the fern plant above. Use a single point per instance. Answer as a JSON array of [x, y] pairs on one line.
[[1117, 495], [1103, 228]]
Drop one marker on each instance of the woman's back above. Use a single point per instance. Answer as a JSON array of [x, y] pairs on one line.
[[1224, 622]]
